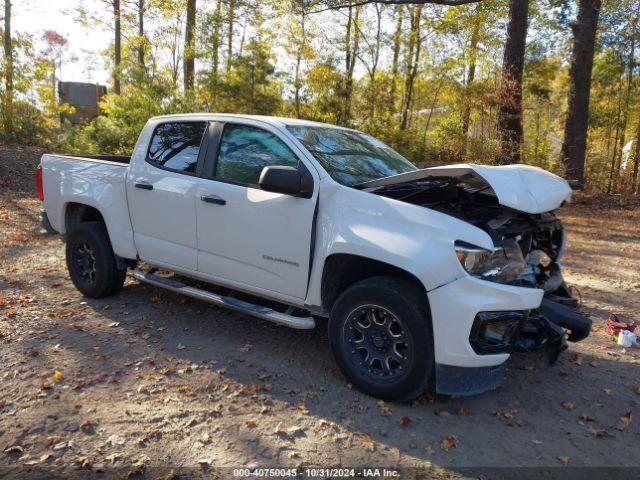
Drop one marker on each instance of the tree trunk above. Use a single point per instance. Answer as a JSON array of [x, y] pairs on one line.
[[297, 82], [574, 147], [230, 20], [615, 145], [189, 45], [117, 47], [8, 74], [216, 42], [142, 41], [413, 57], [636, 162], [397, 45], [471, 73], [352, 42], [373, 97], [510, 113]]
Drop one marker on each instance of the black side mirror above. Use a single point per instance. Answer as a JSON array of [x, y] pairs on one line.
[[288, 180]]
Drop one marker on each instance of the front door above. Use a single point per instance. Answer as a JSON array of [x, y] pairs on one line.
[[249, 236], [161, 192]]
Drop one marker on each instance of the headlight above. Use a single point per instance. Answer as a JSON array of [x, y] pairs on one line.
[[474, 260], [503, 264]]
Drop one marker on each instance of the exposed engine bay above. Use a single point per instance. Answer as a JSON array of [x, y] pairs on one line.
[[528, 248]]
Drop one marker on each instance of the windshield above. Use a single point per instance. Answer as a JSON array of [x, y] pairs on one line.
[[351, 157]]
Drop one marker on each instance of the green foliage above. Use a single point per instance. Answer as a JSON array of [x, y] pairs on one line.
[[284, 58]]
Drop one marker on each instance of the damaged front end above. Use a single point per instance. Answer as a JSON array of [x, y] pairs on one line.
[[528, 248]]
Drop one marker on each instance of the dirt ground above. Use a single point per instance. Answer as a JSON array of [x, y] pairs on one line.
[[148, 380]]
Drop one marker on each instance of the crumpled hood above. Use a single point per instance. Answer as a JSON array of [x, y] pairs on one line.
[[521, 187]]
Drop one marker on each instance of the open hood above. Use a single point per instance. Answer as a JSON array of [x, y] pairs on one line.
[[521, 187]]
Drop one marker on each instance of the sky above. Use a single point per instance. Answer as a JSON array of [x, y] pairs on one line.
[[36, 16]]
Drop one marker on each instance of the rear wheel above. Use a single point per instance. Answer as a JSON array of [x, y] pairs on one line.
[[380, 335], [91, 261]]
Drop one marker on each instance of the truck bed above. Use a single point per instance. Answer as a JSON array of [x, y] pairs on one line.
[[97, 181]]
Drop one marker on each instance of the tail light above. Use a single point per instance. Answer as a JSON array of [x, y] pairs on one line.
[[39, 189]]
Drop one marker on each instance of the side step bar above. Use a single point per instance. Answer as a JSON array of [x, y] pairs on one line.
[[264, 313]]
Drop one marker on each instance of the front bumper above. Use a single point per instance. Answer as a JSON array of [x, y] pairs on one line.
[[454, 307], [469, 362]]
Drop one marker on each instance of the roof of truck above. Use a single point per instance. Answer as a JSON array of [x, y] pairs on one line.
[[264, 118]]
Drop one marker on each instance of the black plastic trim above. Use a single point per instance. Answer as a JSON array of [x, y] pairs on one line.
[[464, 381]]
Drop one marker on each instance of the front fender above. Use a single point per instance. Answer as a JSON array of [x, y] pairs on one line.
[[412, 238]]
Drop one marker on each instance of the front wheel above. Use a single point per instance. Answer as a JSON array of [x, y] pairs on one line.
[[380, 335], [91, 261]]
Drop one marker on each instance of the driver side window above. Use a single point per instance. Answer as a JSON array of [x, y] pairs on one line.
[[245, 151]]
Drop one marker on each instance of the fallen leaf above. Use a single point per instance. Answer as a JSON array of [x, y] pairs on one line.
[[575, 359], [82, 463], [463, 410], [448, 442], [586, 418], [564, 459], [568, 405], [14, 449], [250, 423], [186, 390], [404, 421], [607, 391], [44, 457], [10, 312], [599, 433], [58, 375], [114, 440], [113, 457], [625, 421], [295, 430], [364, 437], [508, 414], [44, 384], [384, 407]]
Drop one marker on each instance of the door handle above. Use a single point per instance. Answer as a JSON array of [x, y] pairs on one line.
[[213, 199], [144, 186]]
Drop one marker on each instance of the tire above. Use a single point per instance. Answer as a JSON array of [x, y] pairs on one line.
[[91, 262], [381, 337]]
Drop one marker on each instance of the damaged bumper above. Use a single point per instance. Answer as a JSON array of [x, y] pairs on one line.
[[477, 324]]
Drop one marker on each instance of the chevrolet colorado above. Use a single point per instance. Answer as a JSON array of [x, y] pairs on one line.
[[426, 276]]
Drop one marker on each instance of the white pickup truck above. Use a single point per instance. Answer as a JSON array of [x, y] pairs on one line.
[[428, 277]]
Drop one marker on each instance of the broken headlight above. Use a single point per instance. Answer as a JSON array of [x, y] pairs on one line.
[[503, 264]]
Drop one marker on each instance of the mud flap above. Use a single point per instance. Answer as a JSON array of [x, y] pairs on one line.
[[464, 381]]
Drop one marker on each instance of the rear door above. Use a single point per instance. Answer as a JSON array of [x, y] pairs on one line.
[[254, 238], [161, 192]]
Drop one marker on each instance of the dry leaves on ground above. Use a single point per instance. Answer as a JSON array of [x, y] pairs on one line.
[[450, 441]]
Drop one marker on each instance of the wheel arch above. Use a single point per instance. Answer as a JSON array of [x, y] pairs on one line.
[[76, 213], [341, 270]]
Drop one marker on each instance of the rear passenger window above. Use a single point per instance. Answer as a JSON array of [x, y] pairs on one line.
[[175, 146], [245, 151]]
